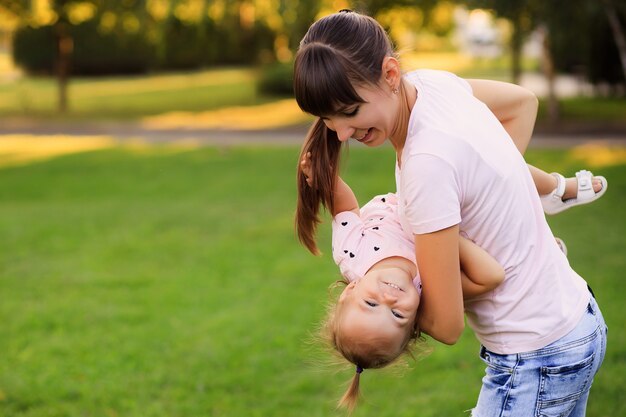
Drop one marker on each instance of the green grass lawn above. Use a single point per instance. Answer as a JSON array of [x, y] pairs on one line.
[[123, 98], [583, 110], [159, 282]]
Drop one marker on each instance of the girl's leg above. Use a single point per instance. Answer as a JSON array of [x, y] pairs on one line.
[[546, 183]]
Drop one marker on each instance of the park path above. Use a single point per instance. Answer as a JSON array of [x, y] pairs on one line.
[[131, 131]]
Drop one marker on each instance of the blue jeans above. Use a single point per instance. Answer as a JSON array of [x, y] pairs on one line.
[[549, 382]]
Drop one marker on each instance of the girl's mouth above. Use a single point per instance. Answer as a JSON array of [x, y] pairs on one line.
[[392, 285]]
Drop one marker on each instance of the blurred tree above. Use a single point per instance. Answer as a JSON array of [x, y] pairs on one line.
[[598, 55], [25, 10], [67, 17], [522, 14], [617, 28], [555, 19]]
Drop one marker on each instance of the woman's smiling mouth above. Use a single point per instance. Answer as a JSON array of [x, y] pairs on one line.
[[365, 138]]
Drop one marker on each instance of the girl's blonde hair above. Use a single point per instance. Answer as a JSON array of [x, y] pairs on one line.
[[363, 354]]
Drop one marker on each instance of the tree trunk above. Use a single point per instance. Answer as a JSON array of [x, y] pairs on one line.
[[549, 73], [618, 32], [516, 49], [65, 45]]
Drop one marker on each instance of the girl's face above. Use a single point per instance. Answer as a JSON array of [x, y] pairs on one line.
[[370, 123], [383, 305]]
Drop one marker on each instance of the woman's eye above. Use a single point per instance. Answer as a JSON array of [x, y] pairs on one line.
[[353, 112], [371, 304], [398, 315]]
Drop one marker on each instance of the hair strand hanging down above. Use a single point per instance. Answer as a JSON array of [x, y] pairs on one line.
[[325, 149]]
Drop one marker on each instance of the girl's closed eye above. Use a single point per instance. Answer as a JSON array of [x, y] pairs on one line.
[[398, 315], [370, 303]]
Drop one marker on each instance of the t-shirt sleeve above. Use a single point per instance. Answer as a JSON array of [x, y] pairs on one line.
[[347, 228], [431, 193], [460, 81]]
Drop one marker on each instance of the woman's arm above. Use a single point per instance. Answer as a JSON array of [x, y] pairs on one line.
[[441, 305], [514, 106], [343, 196], [480, 272]]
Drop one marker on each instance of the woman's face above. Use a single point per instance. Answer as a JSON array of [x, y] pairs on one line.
[[370, 123]]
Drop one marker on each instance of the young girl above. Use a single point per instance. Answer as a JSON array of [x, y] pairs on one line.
[[374, 319], [457, 171]]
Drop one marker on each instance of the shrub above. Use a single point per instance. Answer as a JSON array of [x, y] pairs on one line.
[[276, 79], [183, 45], [95, 52], [34, 49], [101, 53]]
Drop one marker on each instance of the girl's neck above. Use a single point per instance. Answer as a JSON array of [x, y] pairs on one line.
[[408, 97]]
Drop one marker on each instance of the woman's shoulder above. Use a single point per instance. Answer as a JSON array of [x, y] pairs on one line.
[[430, 77]]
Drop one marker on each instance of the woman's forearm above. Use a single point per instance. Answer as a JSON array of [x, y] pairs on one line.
[[441, 307]]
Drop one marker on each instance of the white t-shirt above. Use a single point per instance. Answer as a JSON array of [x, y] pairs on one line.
[[459, 166]]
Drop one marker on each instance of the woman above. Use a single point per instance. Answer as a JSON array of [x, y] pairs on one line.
[[458, 172]]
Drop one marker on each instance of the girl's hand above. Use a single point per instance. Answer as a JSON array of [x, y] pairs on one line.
[[343, 197], [305, 166]]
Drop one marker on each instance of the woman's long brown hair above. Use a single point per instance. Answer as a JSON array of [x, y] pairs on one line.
[[338, 52], [325, 149]]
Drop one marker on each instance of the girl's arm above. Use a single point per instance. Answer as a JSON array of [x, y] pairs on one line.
[[514, 106], [441, 305], [343, 196], [480, 272]]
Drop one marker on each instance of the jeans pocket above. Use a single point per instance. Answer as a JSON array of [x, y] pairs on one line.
[[562, 386], [496, 362]]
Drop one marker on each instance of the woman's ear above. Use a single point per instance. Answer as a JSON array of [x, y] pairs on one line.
[[392, 74]]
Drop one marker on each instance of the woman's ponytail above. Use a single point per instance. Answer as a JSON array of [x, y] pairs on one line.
[[325, 149]]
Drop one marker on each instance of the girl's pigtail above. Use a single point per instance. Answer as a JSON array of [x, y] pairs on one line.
[[325, 148], [351, 396]]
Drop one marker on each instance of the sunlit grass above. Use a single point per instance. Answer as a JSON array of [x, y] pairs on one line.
[[582, 109], [465, 65], [263, 116], [131, 97], [26, 149], [147, 282], [596, 155]]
